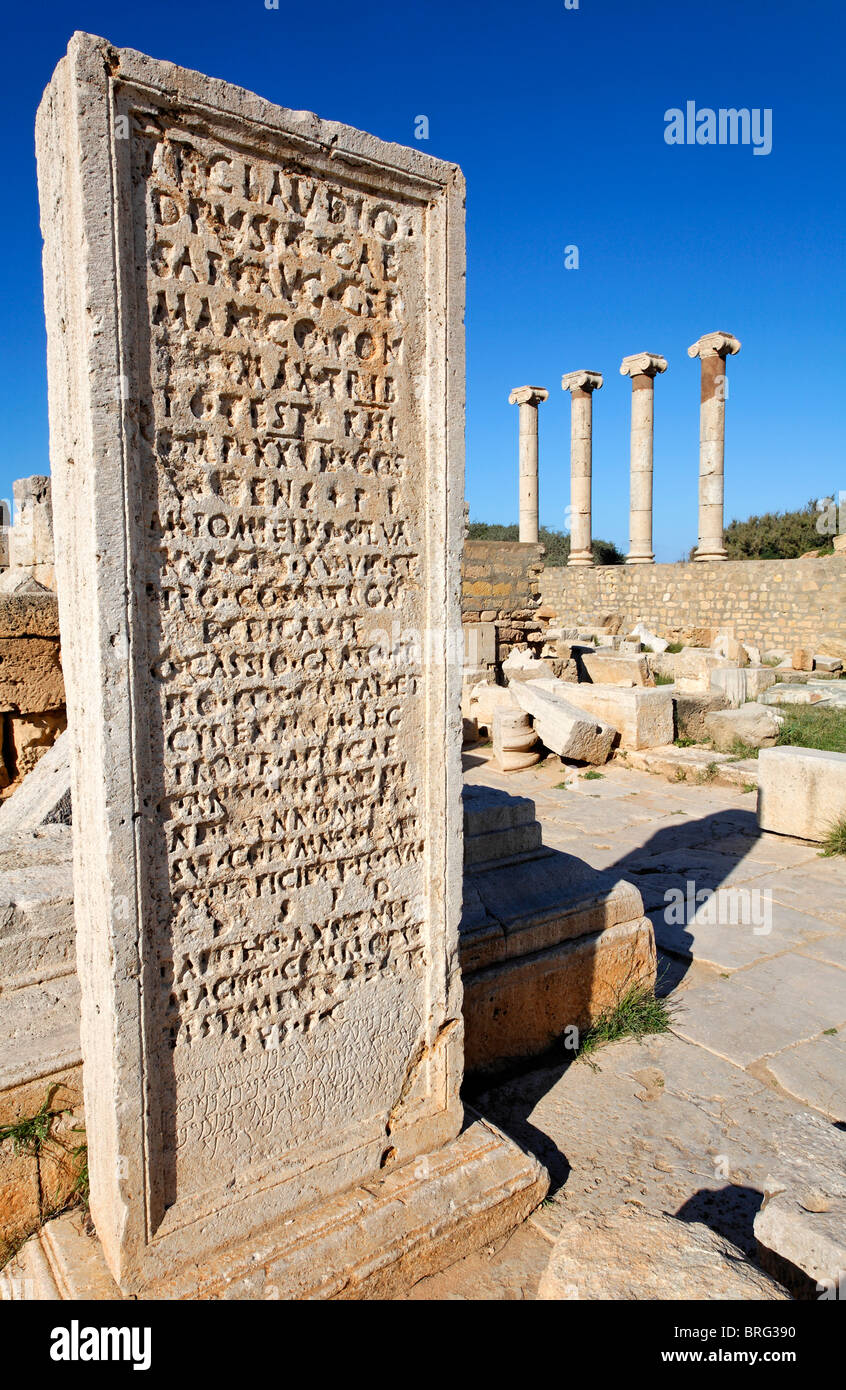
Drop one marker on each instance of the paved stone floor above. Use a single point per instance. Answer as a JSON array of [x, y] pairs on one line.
[[748, 1088]]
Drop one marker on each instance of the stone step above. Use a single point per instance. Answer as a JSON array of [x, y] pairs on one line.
[[694, 764], [36, 906]]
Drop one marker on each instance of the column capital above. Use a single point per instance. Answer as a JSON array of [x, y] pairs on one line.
[[581, 381], [643, 364], [528, 395], [714, 345]]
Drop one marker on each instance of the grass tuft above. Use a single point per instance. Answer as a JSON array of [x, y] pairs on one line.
[[662, 679], [635, 1014], [591, 776], [835, 840], [675, 647]]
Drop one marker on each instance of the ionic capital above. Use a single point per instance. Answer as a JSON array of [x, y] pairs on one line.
[[643, 364], [714, 345], [528, 395], [581, 381]]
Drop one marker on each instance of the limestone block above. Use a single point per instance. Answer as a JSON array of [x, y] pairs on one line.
[[498, 828], [827, 663], [730, 682], [27, 609], [271, 1009], [31, 536], [801, 659], [562, 727], [621, 668], [758, 679], [691, 712], [642, 716], [801, 791], [635, 1256], [515, 743], [729, 647], [784, 693], [522, 666], [30, 674], [693, 669], [31, 735], [479, 644], [662, 664], [753, 653], [650, 638], [752, 724], [36, 908], [484, 700]]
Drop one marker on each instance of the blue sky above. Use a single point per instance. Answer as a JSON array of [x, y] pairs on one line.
[[556, 116]]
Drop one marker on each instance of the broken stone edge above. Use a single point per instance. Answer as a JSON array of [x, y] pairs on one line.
[[373, 1242]]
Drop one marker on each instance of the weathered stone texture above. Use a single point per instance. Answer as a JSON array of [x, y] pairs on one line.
[[266, 476], [773, 603]]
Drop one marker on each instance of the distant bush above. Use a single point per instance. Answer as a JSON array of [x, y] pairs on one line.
[[777, 535], [556, 543]]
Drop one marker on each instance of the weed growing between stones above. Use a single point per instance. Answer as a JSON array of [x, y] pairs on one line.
[[835, 840], [592, 776], [636, 1014], [34, 1136], [661, 679]]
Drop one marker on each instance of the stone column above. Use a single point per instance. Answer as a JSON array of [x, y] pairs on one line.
[[528, 398], [581, 386], [642, 367], [712, 350]]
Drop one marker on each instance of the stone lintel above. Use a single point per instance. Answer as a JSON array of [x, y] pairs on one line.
[[528, 395], [714, 345], [643, 364], [581, 381]]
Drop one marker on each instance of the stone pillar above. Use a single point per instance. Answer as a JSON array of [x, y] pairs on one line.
[[528, 398], [712, 350], [263, 1117], [581, 386], [642, 367]]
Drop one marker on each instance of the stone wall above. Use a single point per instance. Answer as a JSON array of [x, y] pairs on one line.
[[774, 603], [32, 692], [501, 585]]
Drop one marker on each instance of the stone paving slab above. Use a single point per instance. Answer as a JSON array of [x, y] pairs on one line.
[[815, 1073], [759, 1011], [730, 947]]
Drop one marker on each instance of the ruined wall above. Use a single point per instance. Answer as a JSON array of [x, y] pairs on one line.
[[32, 691], [500, 584], [776, 603]]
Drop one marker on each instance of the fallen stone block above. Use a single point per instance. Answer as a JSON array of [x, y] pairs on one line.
[[753, 653], [483, 699], [649, 638], [43, 797], [617, 668], [564, 728], [643, 716], [729, 647], [827, 663], [758, 679], [801, 659], [636, 1257], [730, 682], [802, 791], [801, 1228], [691, 711], [522, 666], [694, 666], [784, 693], [752, 724]]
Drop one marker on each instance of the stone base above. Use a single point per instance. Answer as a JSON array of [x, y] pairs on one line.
[[372, 1242]]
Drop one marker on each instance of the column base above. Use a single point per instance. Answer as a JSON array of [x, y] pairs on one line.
[[581, 558], [373, 1242], [708, 555], [640, 559]]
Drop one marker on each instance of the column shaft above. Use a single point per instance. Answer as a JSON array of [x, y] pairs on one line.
[[528, 472], [640, 502], [581, 447]]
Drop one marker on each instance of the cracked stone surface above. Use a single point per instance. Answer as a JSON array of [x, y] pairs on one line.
[[738, 1111]]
